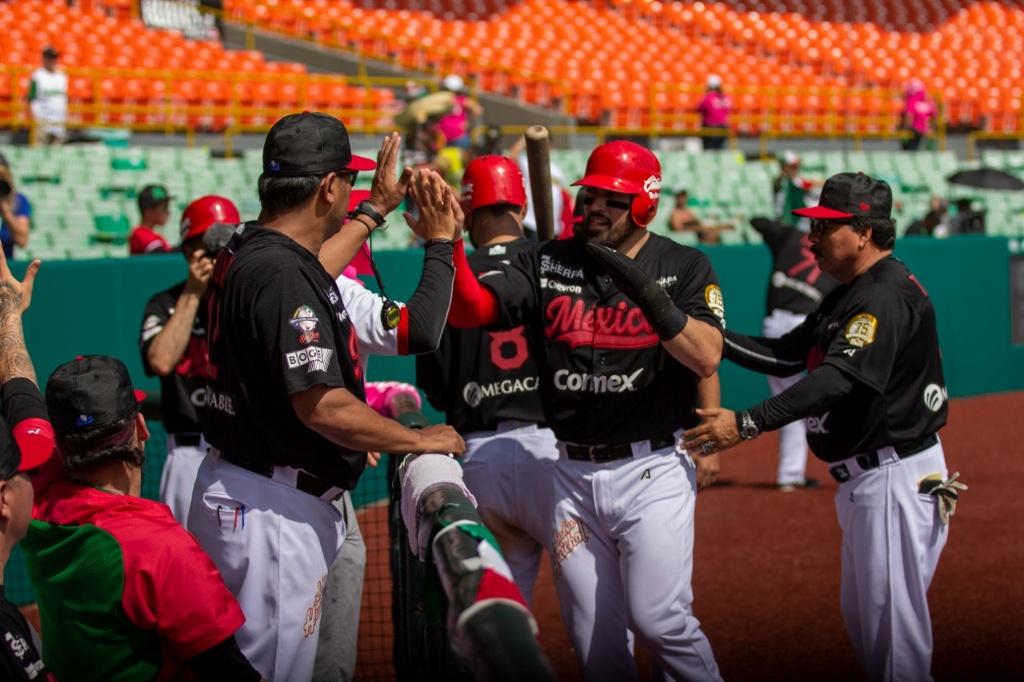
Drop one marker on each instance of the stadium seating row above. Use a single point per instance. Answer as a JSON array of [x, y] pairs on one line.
[[632, 58], [84, 195], [154, 77]]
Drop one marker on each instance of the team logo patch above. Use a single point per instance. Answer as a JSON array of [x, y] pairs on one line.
[[861, 330], [935, 396], [304, 321], [571, 535], [652, 186], [316, 357], [713, 297]]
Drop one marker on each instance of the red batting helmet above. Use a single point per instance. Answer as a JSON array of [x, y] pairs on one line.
[[627, 168], [489, 180], [207, 211]]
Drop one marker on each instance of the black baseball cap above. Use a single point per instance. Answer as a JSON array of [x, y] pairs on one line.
[[310, 143], [849, 195], [89, 393], [153, 195], [50, 52]]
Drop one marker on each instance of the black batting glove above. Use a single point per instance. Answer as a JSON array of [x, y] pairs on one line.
[[659, 309]]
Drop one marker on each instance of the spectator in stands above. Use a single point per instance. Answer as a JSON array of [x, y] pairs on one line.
[[934, 223], [791, 190], [919, 113], [682, 219], [15, 210], [714, 113], [48, 99], [457, 123], [154, 206]]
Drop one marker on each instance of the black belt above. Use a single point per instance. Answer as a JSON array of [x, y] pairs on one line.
[[307, 483], [599, 454], [187, 439], [870, 461]]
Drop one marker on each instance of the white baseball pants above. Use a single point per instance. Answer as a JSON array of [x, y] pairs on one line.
[[178, 478], [509, 473], [273, 545], [792, 436], [623, 558], [892, 539]]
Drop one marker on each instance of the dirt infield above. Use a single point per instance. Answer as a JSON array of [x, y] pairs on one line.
[[766, 568]]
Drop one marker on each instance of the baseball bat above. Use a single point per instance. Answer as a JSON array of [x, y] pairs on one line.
[[538, 159]]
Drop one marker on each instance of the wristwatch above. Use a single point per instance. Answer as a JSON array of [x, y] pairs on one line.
[[748, 429], [365, 208]]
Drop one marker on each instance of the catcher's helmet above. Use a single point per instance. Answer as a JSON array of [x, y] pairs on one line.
[[628, 168], [490, 180], [205, 212]]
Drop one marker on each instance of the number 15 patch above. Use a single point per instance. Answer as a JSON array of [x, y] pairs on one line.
[[861, 330]]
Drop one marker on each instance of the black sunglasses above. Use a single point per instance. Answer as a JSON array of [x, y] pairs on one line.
[[820, 226]]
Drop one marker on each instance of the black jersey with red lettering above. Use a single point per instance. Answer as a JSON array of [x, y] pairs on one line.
[[605, 376], [478, 377], [880, 331], [183, 391], [796, 284], [277, 327]]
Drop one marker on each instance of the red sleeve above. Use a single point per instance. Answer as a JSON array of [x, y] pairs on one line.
[[172, 586], [403, 332], [473, 305]]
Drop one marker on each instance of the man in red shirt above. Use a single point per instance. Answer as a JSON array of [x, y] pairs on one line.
[[154, 205]]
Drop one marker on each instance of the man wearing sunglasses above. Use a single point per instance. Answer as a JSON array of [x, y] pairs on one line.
[[873, 399]]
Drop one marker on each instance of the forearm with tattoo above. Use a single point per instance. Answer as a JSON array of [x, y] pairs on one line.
[[14, 359]]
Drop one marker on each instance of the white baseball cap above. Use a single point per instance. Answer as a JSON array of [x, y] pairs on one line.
[[453, 82], [714, 81], [788, 158]]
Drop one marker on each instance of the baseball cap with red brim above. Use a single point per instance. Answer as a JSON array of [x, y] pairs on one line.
[[850, 195], [310, 143]]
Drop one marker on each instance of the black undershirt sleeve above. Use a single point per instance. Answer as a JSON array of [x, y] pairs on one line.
[[780, 357], [813, 394], [428, 306], [21, 400], [224, 661]]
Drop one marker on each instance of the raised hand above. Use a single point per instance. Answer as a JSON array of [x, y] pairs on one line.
[[387, 193]]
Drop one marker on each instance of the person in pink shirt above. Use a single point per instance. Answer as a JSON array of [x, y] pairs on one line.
[[457, 123], [714, 112], [919, 113]]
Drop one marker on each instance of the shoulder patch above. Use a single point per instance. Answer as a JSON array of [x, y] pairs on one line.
[[861, 330], [713, 297]]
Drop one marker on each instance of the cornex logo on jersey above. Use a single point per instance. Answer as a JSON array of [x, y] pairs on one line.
[[474, 394], [589, 383], [935, 396]]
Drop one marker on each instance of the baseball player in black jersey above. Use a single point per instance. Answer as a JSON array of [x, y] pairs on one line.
[[795, 288], [173, 346], [623, 322], [874, 398], [285, 411], [486, 382]]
